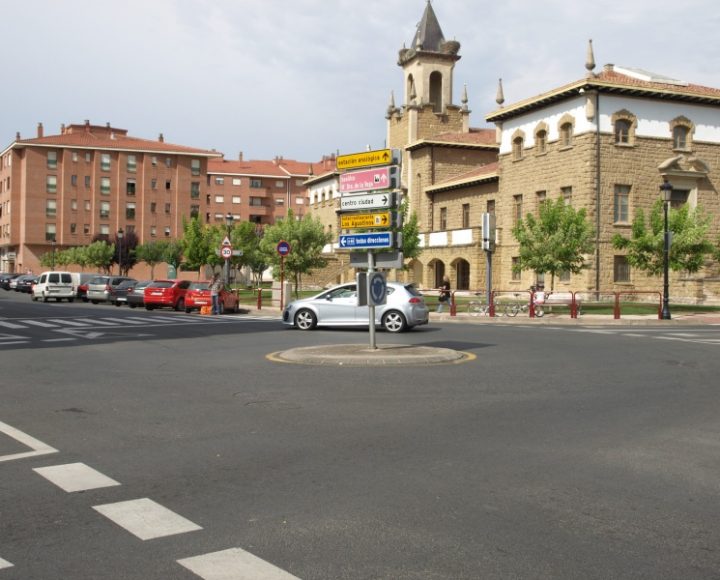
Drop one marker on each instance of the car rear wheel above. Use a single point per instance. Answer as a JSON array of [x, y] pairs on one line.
[[95, 301], [305, 319], [394, 321], [180, 305], [149, 307], [71, 299], [188, 310]]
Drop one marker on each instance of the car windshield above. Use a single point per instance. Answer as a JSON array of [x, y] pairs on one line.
[[126, 284], [199, 286], [98, 280]]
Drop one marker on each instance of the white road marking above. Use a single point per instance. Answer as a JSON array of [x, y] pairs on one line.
[[39, 323], [5, 564], [124, 320], [7, 324], [146, 519], [75, 477], [95, 321], [80, 333], [234, 564], [59, 339], [68, 322], [15, 342], [37, 446]]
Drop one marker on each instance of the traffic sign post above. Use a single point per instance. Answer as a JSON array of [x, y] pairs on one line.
[[283, 248], [366, 220], [370, 179], [366, 241], [367, 159], [367, 201]]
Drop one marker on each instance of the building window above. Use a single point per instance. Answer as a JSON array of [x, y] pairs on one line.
[[515, 270], [679, 198], [104, 209], [219, 199], [194, 211], [153, 160], [167, 208], [73, 228], [195, 166], [105, 162], [564, 276], [621, 269], [105, 185], [299, 201], [622, 132], [153, 231], [517, 207], [153, 183], [168, 184], [621, 204], [541, 197], [256, 201], [443, 219], [130, 211], [87, 181], [517, 148], [73, 180], [74, 156], [51, 184], [236, 181], [88, 206], [466, 215], [130, 187], [50, 232], [168, 162], [167, 231], [52, 160], [131, 164], [88, 159], [680, 137], [195, 190], [541, 141], [73, 204], [490, 206], [50, 208], [279, 184], [279, 201], [153, 207], [566, 132], [255, 183], [236, 199], [566, 193], [104, 230], [219, 181]]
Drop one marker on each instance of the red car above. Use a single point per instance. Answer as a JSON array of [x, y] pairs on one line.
[[198, 295], [168, 293]]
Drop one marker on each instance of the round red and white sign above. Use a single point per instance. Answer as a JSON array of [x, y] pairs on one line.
[[226, 252]]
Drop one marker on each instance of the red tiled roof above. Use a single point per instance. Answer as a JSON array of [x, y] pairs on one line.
[[94, 137], [279, 168], [614, 81]]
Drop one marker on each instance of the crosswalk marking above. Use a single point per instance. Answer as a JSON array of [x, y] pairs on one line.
[[37, 446], [123, 320], [146, 519], [5, 564], [234, 564], [68, 322], [7, 324], [75, 477], [39, 323]]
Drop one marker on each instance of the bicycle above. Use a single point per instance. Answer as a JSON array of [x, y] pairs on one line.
[[478, 307], [513, 308]]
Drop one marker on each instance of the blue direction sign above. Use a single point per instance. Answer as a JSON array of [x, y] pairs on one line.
[[366, 241], [377, 289]]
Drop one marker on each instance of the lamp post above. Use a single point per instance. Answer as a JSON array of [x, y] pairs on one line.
[[120, 234], [52, 243], [229, 223], [666, 190]]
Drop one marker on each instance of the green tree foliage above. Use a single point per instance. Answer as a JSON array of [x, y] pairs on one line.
[[247, 237], [152, 253], [196, 245], [688, 250], [306, 237], [173, 255], [555, 241], [410, 233], [100, 255], [125, 251]]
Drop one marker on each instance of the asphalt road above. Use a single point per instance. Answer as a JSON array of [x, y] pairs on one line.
[[555, 453]]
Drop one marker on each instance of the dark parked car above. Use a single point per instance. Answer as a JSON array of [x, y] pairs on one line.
[[136, 294], [5, 280], [120, 292], [25, 282], [169, 293]]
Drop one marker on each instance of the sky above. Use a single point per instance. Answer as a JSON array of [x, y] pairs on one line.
[[306, 78]]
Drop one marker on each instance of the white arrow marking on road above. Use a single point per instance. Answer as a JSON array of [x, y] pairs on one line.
[[81, 333]]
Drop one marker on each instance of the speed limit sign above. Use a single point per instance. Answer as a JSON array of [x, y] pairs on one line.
[[226, 252]]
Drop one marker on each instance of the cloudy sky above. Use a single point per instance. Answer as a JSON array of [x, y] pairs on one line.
[[305, 78]]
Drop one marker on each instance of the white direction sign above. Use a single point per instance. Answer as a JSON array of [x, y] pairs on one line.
[[368, 201]]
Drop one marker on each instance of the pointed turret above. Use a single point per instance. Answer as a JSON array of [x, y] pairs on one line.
[[590, 59], [429, 35], [500, 95]]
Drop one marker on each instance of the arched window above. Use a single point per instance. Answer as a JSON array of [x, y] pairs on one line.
[[680, 137], [517, 148], [436, 91], [622, 131], [541, 141], [566, 134]]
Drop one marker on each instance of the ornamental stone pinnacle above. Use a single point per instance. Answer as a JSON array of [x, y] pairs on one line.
[[500, 96], [590, 60]]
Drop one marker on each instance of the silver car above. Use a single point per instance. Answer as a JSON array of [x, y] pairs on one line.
[[102, 288], [337, 306]]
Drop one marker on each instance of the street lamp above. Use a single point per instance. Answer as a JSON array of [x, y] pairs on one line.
[[229, 218], [666, 190], [120, 234], [52, 243]]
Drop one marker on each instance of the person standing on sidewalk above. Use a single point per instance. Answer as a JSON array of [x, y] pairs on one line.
[[215, 287], [444, 293]]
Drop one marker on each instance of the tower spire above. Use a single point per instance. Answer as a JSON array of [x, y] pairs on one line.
[[500, 95], [590, 59]]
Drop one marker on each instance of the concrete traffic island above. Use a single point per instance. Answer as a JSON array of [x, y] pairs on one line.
[[360, 355]]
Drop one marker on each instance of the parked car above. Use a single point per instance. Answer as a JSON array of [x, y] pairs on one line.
[[168, 293], [56, 285], [198, 295], [5, 280], [81, 279], [136, 294], [23, 283], [405, 308], [101, 288], [120, 292]]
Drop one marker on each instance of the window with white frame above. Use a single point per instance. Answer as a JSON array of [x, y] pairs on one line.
[[104, 229], [51, 184], [236, 199], [219, 199], [50, 208], [105, 161], [104, 209], [236, 181], [130, 210], [131, 163], [105, 185], [50, 232], [52, 158], [195, 166], [219, 181], [279, 201]]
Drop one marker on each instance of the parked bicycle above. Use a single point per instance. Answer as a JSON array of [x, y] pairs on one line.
[[478, 307]]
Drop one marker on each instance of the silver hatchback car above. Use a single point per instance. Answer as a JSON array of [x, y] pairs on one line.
[[337, 306]]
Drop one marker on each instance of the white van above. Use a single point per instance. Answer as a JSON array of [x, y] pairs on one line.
[[57, 285]]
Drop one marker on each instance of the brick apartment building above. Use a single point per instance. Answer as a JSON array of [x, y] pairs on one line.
[[64, 190]]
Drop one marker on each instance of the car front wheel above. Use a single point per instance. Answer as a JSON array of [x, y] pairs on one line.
[[305, 319], [394, 321], [180, 305]]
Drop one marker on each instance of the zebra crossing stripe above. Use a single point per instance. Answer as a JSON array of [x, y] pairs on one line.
[[123, 320], [5, 564], [67, 322], [146, 519], [39, 323], [234, 564], [75, 477], [7, 324]]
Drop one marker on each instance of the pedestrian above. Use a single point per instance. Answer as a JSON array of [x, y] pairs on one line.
[[445, 295], [215, 287]]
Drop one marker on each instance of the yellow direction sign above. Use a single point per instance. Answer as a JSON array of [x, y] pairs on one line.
[[365, 159], [366, 220]]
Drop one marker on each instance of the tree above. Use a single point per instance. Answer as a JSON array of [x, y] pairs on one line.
[[173, 255], [410, 233], [555, 241], [247, 236], [152, 253], [688, 250], [125, 251], [307, 238], [100, 254], [196, 244]]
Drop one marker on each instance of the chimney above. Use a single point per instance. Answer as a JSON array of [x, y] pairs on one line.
[[17, 136], [161, 138], [609, 67], [240, 156], [107, 124], [62, 129], [87, 125], [40, 132]]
